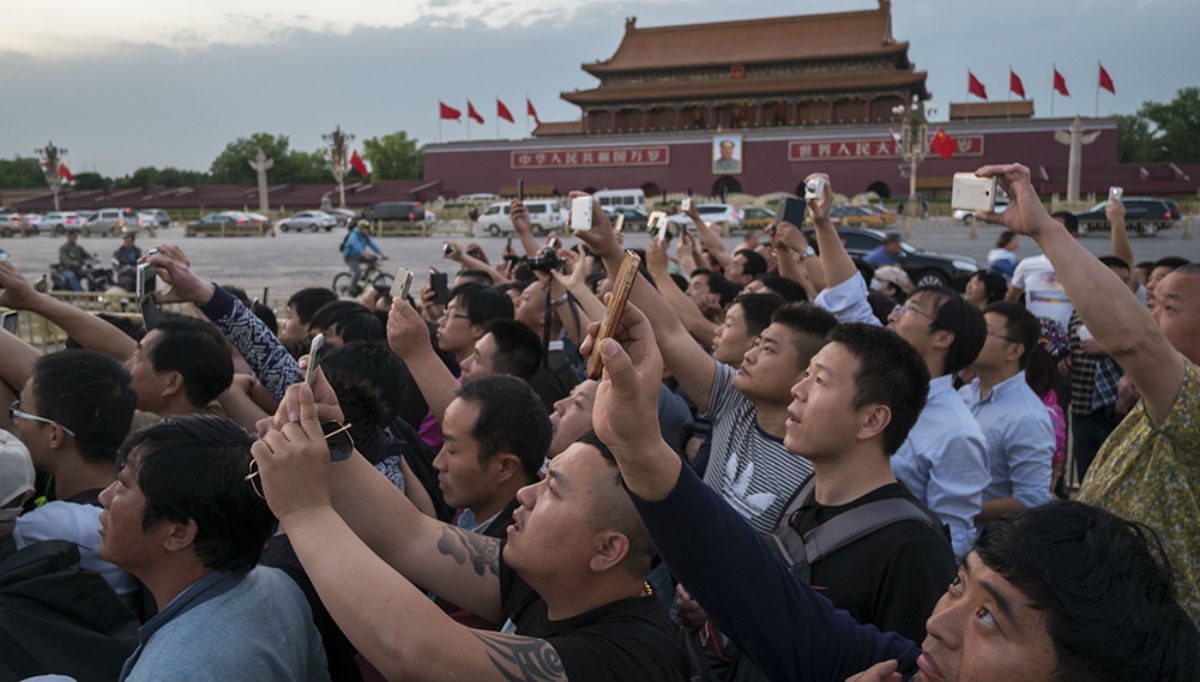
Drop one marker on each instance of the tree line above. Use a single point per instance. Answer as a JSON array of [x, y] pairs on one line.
[[389, 157], [1162, 131]]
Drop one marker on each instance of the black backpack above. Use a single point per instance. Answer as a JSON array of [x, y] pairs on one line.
[[800, 551], [56, 617]]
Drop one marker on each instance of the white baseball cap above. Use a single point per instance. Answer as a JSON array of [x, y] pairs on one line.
[[16, 475]]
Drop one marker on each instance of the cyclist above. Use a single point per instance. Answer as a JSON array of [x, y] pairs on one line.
[[356, 249]]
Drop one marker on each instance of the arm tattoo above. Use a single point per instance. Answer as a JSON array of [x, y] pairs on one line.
[[522, 659], [482, 552]]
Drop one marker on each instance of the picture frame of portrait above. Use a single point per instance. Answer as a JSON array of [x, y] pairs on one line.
[[727, 154]]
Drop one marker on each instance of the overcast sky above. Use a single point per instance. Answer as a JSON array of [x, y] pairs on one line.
[[129, 83]]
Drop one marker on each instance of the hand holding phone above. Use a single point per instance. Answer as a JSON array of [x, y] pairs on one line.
[[1115, 193], [315, 351], [439, 282], [814, 189], [686, 204], [581, 213], [794, 208], [401, 284], [521, 190], [971, 193], [622, 286]]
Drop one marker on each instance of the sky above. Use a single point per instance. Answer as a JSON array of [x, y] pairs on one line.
[[128, 83]]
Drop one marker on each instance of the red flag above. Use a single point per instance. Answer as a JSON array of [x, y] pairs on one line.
[[503, 112], [65, 173], [530, 111], [449, 113], [357, 164], [975, 87], [1106, 81], [1015, 85], [472, 114], [943, 144], [1060, 84]]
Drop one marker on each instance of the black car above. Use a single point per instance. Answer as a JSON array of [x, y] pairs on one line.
[[925, 268], [395, 211], [635, 220], [1143, 215]]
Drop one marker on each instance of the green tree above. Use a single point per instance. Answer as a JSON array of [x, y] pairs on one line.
[[394, 157], [21, 173], [232, 166], [1162, 132], [304, 167], [90, 180]]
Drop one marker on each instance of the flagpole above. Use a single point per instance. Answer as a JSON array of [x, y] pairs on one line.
[[1098, 67], [439, 121], [468, 120], [526, 114], [967, 99], [1008, 99], [497, 118]]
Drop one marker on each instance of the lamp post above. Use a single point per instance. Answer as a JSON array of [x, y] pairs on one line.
[[914, 142], [337, 158], [51, 158]]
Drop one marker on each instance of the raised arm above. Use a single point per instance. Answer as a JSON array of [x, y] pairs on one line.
[[793, 250], [90, 331], [699, 326], [709, 238], [518, 213], [408, 337], [1114, 210], [837, 264], [16, 360], [692, 366], [470, 262], [1105, 304], [389, 620]]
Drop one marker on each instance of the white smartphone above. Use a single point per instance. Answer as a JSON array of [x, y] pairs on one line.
[[619, 226], [145, 271], [314, 358], [1083, 333], [1116, 193], [686, 204], [972, 193], [581, 213], [401, 284], [814, 189]]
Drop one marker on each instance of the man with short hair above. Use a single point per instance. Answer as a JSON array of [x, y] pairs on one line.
[[1014, 420], [745, 265], [182, 517], [507, 347], [569, 577], [471, 307], [1147, 470], [555, 376], [887, 253], [1015, 610], [1162, 267], [71, 257], [301, 307], [944, 459]]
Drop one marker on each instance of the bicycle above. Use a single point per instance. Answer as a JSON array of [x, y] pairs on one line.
[[370, 273]]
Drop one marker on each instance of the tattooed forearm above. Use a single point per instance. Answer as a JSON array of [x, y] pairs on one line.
[[483, 553], [522, 659]]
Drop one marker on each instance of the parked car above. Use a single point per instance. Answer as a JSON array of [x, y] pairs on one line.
[[342, 215], [855, 216], [754, 218], [312, 221], [259, 220], [56, 223], [396, 211], [147, 221], [161, 218], [18, 223], [967, 217], [213, 222], [725, 216], [545, 216], [109, 221], [923, 267], [635, 220], [1143, 215]]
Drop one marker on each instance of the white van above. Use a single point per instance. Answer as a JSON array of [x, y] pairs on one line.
[[627, 198], [544, 215]]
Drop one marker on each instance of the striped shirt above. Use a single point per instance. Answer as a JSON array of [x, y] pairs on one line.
[[749, 468]]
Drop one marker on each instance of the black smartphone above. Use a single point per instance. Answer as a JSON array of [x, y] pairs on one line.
[[793, 211], [9, 321], [521, 190], [439, 282], [151, 311]]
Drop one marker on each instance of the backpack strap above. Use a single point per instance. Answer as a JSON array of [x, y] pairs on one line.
[[787, 544]]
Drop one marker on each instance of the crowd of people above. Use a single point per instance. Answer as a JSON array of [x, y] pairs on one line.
[[795, 466]]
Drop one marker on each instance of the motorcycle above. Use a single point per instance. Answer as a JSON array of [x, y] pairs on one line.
[[92, 277]]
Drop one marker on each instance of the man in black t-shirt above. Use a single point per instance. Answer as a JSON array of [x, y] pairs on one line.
[[576, 550]]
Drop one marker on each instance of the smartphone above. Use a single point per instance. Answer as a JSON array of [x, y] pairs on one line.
[[145, 275], [1116, 193], [581, 213], [657, 220], [315, 352], [622, 285], [686, 204], [971, 193], [439, 282], [663, 226], [619, 226], [793, 210], [401, 284], [9, 321], [814, 189], [521, 190]]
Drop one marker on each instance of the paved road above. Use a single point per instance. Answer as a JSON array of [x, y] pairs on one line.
[[292, 261]]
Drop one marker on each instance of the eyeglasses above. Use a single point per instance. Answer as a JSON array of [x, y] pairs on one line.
[[14, 413], [341, 444], [1001, 336], [902, 310]]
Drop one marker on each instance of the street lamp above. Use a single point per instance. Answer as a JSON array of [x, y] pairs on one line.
[[914, 141], [337, 157], [51, 159]]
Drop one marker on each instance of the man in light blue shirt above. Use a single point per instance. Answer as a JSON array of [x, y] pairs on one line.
[[355, 251], [1015, 422], [943, 462]]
